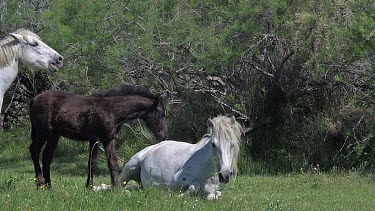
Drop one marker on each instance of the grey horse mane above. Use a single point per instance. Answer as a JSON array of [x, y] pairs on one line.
[[127, 90]]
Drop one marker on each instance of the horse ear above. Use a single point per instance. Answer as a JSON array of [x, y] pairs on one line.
[[156, 103], [210, 123], [18, 37], [233, 120]]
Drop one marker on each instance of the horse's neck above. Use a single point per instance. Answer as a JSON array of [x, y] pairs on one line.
[[7, 75], [203, 143], [130, 108], [210, 161], [8, 65], [205, 155], [201, 166]]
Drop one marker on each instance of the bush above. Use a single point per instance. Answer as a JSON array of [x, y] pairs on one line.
[[299, 73]]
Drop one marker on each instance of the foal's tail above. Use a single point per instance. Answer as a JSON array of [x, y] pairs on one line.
[[32, 136]]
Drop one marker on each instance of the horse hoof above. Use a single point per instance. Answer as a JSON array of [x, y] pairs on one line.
[[42, 186], [101, 187], [213, 196]]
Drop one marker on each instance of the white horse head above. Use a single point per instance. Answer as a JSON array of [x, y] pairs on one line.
[[217, 154], [26, 47], [225, 139], [31, 51]]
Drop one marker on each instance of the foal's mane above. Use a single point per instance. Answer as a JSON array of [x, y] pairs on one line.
[[8, 46], [126, 90], [228, 131]]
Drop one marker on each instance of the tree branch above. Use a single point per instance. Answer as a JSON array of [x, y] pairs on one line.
[[285, 60], [262, 71]]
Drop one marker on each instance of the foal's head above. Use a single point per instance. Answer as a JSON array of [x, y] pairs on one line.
[[156, 119], [155, 115]]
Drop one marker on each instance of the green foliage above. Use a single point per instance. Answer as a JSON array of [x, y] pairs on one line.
[[87, 41], [287, 68]]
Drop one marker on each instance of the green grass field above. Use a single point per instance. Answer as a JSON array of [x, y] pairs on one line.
[[334, 191]]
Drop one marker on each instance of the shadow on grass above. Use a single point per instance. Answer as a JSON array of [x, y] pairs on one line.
[[70, 158], [14, 153]]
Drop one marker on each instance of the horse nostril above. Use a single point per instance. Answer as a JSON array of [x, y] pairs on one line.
[[221, 178], [59, 60]]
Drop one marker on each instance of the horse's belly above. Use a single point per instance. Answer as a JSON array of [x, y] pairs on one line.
[[73, 136], [80, 127], [161, 164], [156, 174], [79, 133]]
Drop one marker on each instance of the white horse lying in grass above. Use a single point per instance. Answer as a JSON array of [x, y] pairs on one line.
[[192, 168], [27, 47]]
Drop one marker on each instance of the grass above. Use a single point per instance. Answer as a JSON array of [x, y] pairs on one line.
[[334, 191]]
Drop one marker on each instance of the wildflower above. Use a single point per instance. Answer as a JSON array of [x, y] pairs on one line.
[[35, 179], [124, 182]]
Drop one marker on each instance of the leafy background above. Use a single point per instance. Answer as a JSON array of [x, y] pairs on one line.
[[299, 75]]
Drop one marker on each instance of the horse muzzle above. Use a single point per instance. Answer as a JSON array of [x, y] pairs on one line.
[[225, 176], [55, 64]]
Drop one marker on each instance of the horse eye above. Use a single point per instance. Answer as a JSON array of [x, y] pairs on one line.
[[213, 145], [34, 44]]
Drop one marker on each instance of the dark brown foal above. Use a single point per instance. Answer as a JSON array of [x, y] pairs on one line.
[[96, 118]]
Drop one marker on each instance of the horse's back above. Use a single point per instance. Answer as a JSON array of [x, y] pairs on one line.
[[48, 99], [66, 114], [42, 109], [47, 103]]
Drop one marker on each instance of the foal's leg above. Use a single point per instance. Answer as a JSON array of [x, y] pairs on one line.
[[47, 157], [93, 160], [35, 148], [112, 161]]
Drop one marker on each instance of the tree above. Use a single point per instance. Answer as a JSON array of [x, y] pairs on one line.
[[277, 66]]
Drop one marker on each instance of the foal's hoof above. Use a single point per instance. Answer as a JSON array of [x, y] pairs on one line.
[[46, 186], [41, 184]]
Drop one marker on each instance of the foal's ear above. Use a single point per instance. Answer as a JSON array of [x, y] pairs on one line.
[[156, 103], [18, 37]]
